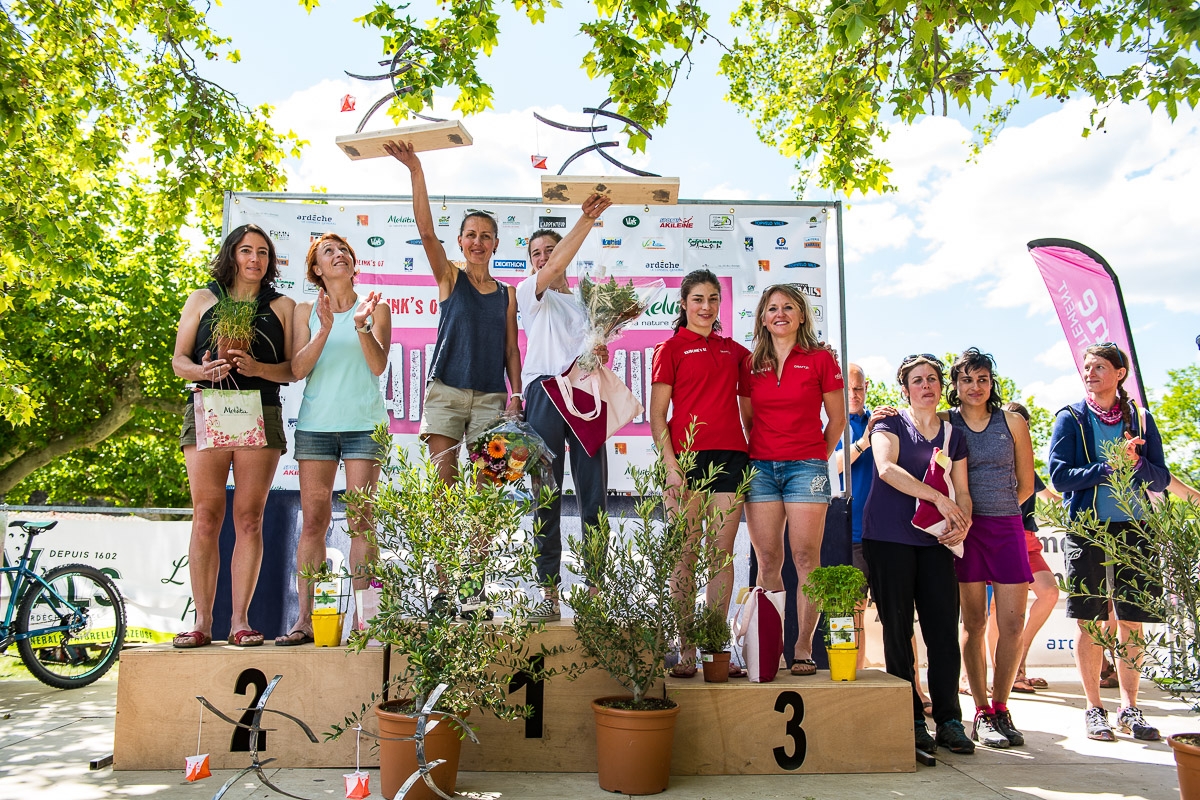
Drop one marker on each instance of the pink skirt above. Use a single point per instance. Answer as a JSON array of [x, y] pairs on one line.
[[995, 551]]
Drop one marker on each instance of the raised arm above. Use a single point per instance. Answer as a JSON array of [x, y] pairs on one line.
[[564, 251], [443, 271], [512, 353]]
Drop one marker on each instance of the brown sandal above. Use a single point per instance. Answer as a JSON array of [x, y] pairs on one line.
[[804, 666], [190, 640]]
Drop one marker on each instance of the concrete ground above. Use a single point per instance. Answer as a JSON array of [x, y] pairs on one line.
[[47, 738]]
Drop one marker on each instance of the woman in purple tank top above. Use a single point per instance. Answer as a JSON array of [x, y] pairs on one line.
[[1000, 474]]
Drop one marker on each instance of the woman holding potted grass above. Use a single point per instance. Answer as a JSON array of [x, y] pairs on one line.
[[243, 285]]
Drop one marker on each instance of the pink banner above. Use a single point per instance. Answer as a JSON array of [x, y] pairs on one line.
[[1088, 300]]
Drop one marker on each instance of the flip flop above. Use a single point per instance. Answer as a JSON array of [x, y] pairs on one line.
[[682, 670], [190, 640], [735, 671], [927, 707], [804, 666], [1023, 686], [239, 638], [293, 638]]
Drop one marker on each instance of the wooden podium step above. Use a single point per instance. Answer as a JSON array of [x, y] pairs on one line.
[[792, 725]]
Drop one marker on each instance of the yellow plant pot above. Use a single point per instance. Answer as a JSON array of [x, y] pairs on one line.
[[843, 662], [327, 628]]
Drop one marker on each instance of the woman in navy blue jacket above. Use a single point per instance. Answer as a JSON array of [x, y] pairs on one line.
[[1079, 470]]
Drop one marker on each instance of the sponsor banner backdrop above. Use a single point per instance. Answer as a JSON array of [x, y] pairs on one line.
[[748, 246], [146, 559]]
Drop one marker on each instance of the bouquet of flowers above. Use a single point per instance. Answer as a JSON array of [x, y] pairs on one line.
[[610, 306], [508, 451]]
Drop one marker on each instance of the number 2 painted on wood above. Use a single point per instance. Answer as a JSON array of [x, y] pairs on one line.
[[792, 729], [240, 743]]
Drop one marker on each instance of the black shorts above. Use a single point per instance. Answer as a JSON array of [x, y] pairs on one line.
[[1086, 570], [732, 463]]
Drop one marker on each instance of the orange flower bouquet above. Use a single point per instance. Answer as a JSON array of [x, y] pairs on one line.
[[508, 451]]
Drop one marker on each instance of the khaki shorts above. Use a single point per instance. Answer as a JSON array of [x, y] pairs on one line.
[[272, 420], [459, 413]]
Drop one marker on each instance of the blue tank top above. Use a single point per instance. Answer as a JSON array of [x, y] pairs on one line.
[[471, 337], [341, 393], [991, 466]]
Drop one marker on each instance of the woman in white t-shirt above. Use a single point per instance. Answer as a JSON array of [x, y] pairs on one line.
[[555, 325]]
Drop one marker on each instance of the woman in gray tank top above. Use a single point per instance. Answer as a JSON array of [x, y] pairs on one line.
[[477, 331], [1000, 474]]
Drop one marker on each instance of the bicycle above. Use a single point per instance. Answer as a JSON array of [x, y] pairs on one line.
[[70, 622]]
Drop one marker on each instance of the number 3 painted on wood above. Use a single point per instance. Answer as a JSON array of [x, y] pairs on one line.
[[792, 729]]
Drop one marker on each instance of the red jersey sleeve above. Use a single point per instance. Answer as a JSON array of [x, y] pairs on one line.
[[831, 373], [743, 357], [663, 365]]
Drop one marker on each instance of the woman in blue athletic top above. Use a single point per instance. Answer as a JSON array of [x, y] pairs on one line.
[[341, 344], [466, 387]]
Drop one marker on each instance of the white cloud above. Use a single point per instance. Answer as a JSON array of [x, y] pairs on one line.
[[877, 368], [1055, 394], [1058, 357], [875, 226]]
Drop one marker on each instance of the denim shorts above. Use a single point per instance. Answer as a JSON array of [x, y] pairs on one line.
[[338, 446], [790, 481]]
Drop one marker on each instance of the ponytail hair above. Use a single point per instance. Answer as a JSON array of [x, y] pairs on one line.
[[1117, 357], [696, 277]]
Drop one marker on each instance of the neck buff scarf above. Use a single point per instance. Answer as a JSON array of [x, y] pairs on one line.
[[1110, 417]]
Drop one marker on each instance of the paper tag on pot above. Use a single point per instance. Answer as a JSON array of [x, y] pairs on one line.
[[325, 597], [706, 657], [841, 629], [358, 785], [196, 768]]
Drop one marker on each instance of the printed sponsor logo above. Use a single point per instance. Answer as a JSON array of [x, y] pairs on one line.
[[417, 242], [665, 266], [375, 241], [675, 222], [393, 220], [631, 221], [813, 242], [705, 244], [749, 243], [367, 263], [550, 223], [802, 265], [508, 263], [290, 472], [745, 313], [280, 236], [781, 243], [653, 244], [444, 221], [408, 264], [291, 423], [282, 260], [363, 220], [598, 223], [314, 235], [720, 267], [284, 283], [768, 223], [764, 265], [610, 242], [619, 264], [720, 222], [806, 290], [521, 241], [813, 222], [665, 307], [511, 221], [620, 448], [818, 311], [585, 267], [310, 287], [320, 219]]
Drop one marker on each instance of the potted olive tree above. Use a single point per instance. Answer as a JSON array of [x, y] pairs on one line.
[[434, 539], [1170, 559], [628, 618], [836, 591], [709, 631]]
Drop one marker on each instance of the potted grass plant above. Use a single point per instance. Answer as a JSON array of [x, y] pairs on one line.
[[232, 323], [436, 540], [628, 618], [1168, 560], [709, 631], [836, 591]]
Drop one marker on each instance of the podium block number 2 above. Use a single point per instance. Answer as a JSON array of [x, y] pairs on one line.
[[791, 729]]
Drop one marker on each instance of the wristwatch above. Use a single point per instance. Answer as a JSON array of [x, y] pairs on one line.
[[857, 447], [366, 326], [517, 395]]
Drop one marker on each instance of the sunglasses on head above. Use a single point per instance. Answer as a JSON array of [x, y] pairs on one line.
[[1113, 346], [926, 356]]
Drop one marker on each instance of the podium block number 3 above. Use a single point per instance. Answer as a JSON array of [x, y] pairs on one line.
[[791, 729]]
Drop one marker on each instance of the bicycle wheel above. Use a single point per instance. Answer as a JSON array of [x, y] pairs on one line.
[[86, 601]]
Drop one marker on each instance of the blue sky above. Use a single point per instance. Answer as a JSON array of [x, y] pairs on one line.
[[937, 266]]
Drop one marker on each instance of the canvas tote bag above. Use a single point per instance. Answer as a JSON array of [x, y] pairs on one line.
[[595, 405], [758, 630], [229, 419]]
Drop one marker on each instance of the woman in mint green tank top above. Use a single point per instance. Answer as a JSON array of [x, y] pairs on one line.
[[341, 343]]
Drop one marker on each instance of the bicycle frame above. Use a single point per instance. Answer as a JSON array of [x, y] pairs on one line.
[[21, 584]]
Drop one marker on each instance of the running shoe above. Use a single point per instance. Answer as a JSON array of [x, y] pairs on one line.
[[985, 732], [950, 735], [1096, 719], [1131, 721], [1003, 723], [925, 742]]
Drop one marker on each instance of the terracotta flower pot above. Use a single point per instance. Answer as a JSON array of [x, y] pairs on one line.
[[225, 345], [716, 667], [398, 760], [1187, 764], [633, 748]]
